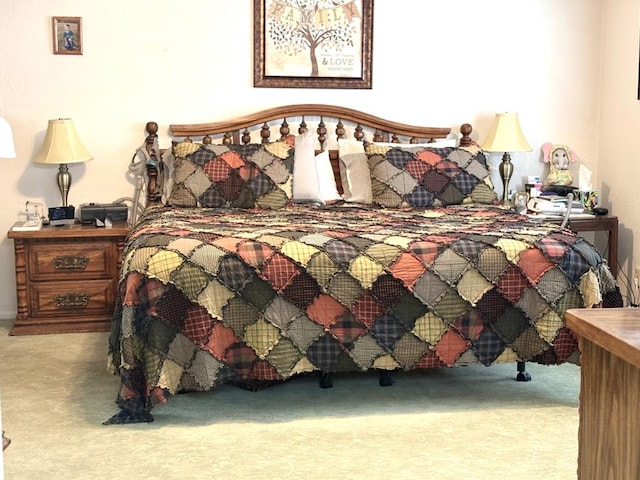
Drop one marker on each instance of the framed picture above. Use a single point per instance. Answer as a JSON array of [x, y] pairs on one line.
[[67, 35], [312, 43]]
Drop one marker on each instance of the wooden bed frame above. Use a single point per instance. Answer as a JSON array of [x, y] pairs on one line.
[[245, 129], [209, 297]]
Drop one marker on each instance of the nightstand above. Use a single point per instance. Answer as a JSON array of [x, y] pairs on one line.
[[66, 278], [606, 223]]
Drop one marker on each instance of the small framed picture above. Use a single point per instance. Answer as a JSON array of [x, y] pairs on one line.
[[67, 35]]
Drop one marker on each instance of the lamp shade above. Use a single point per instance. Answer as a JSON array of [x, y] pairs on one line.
[[506, 135], [62, 144], [7, 149]]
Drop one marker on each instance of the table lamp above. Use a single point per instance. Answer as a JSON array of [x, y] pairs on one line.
[[62, 146], [7, 149], [506, 136]]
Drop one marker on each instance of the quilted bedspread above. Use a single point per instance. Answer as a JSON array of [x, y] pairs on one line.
[[209, 296]]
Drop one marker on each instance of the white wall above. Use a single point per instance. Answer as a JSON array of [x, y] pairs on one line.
[[436, 63], [618, 159]]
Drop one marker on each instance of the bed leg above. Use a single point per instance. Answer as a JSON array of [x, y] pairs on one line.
[[523, 376], [325, 380], [385, 379]]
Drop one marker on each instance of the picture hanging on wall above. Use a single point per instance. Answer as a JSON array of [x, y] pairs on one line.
[[313, 43], [67, 35]]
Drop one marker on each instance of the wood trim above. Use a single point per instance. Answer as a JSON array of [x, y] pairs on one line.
[[308, 110]]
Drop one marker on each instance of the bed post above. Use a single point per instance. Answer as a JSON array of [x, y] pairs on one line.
[[465, 140], [153, 189]]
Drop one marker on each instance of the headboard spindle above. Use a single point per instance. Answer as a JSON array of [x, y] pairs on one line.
[[265, 133], [284, 128], [340, 131], [322, 132]]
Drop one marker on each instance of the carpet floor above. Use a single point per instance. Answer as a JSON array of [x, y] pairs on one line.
[[461, 423]]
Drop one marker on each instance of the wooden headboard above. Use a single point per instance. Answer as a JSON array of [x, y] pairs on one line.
[[260, 126]]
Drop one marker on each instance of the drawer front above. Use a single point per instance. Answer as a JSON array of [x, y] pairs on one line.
[[93, 297], [54, 261]]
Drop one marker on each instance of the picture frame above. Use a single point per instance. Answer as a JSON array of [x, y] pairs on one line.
[[67, 35], [341, 32]]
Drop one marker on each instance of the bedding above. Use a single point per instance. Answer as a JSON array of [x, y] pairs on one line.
[[426, 176], [251, 295]]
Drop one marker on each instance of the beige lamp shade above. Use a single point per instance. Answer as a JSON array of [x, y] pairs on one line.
[[62, 144], [7, 149], [506, 135]]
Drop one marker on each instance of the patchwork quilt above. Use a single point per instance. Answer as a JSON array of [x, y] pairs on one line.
[[210, 296]]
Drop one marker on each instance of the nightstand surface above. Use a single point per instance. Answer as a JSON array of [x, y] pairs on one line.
[[66, 278]]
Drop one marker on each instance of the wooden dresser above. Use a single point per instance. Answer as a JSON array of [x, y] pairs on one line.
[[66, 278], [609, 432]]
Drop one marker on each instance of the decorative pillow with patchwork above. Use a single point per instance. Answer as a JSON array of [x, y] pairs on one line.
[[408, 176], [382, 147], [240, 176]]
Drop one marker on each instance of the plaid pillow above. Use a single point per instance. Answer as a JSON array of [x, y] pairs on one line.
[[423, 176], [241, 176]]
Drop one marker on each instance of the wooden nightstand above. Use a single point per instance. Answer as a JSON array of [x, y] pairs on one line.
[[606, 223], [66, 278]]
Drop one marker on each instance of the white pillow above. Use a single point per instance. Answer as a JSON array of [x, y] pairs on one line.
[[305, 180], [354, 170], [326, 178], [313, 179]]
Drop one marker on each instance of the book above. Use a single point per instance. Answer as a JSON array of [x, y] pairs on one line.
[[27, 226]]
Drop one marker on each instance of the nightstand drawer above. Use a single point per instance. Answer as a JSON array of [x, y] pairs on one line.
[[88, 298], [48, 261], [66, 278]]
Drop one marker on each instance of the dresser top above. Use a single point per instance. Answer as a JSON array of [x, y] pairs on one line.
[[616, 330]]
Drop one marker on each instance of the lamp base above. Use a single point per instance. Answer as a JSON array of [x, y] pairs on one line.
[[506, 203], [506, 170], [64, 182]]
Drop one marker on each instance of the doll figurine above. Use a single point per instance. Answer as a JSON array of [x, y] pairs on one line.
[[558, 157]]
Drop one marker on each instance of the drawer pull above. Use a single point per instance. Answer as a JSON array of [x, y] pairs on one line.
[[72, 300], [70, 262]]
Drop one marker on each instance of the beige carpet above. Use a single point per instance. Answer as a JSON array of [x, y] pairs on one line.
[[463, 423]]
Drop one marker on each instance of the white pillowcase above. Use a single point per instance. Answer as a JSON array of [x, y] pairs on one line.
[[354, 170], [313, 179], [326, 178]]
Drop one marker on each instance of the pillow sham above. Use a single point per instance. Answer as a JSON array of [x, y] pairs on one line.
[[354, 171], [424, 177], [382, 147], [313, 179], [240, 176]]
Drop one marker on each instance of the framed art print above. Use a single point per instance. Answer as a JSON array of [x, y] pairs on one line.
[[67, 35], [313, 43]]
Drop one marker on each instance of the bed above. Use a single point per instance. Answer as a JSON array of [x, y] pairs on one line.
[[314, 239]]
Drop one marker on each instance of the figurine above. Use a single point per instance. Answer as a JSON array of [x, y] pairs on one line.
[[558, 157]]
